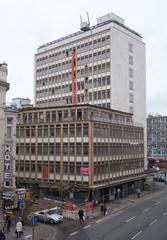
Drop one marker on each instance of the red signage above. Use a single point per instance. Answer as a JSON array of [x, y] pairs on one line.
[[84, 171]]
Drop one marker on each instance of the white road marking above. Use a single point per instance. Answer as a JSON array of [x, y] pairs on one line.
[[164, 213], [153, 222], [87, 226], [130, 219], [148, 198], [137, 234], [157, 203], [72, 234], [145, 210], [99, 220]]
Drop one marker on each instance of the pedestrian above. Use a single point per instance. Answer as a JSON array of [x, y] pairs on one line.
[[101, 208], [19, 229], [8, 223], [5, 223], [104, 210], [2, 235], [138, 193], [81, 215]]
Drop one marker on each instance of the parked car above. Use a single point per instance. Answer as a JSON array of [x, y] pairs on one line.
[[48, 216]]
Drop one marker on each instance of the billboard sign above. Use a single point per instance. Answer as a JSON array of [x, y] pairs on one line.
[[84, 171]]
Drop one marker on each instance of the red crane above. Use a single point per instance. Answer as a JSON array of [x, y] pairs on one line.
[[73, 77]]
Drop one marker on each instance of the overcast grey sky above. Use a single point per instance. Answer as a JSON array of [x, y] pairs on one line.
[[27, 24]]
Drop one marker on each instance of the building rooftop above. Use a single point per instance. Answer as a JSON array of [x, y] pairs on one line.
[[91, 28], [76, 106]]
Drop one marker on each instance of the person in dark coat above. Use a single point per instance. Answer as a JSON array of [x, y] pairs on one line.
[[101, 208], [104, 209], [2, 236], [81, 215], [8, 223]]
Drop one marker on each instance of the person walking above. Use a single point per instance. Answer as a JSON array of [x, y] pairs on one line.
[[81, 215], [2, 235], [138, 193], [104, 209], [19, 229], [8, 223]]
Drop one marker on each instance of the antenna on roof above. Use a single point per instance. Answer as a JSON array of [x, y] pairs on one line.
[[84, 26], [88, 19]]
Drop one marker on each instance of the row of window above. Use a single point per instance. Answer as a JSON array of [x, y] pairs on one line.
[[121, 132], [117, 149], [78, 149], [101, 41], [116, 166], [67, 76], [53, 131], [67, 169], [75, 114], [52, 149], [75, 169], [88, 83], [96, 68]]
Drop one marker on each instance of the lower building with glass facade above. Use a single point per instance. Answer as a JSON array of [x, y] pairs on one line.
[[79, 151]]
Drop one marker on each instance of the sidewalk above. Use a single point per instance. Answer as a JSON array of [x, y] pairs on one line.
[[40, 232]]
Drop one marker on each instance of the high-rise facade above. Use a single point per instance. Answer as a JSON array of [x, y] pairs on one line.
[[103, 65]]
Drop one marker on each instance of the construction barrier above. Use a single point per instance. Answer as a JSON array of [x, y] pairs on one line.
[[70, 214]]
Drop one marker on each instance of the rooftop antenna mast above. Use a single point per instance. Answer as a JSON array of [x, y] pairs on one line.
[[85, 26], [88, 18], [81, 18]]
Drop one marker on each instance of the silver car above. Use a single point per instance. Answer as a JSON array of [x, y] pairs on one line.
[[48, 216]]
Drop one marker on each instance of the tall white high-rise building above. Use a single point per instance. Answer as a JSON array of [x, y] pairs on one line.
[[102, 65]]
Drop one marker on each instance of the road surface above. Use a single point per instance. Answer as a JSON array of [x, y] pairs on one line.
[[145, 220]]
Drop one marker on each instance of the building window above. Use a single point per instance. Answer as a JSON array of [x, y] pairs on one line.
[[108, 93], [85, 149], [130, 47], [52, 131], [57, 131], [130, 85], [130, 72], [78, 149], [39, 148], [131, 109], [39, 131], [90, 96], [72, 130], [65, 131], [78, 130], [71, 149], [51, 149], [27, 130], [131, 98], [32, 148], [9, 128], [131, 60], [85, 130], [45, 130]]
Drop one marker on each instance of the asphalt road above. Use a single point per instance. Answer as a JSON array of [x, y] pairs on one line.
[[145, 220]]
